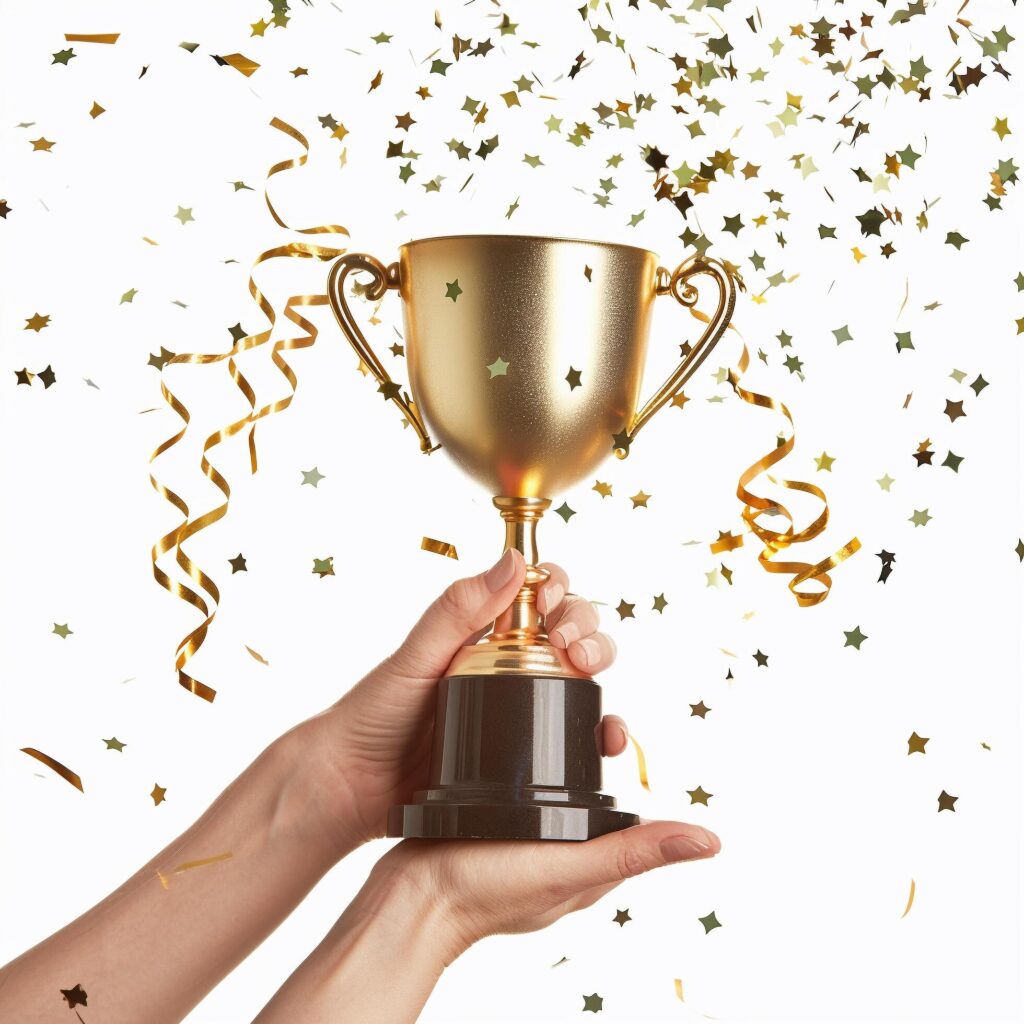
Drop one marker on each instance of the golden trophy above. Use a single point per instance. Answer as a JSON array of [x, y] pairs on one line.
[[525, 359]]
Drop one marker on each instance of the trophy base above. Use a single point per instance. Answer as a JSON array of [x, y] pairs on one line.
[[505, 821], [514, 757]]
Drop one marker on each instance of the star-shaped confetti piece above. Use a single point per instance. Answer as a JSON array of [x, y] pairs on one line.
[[946, 802], [824, 462], [565, 511], [158, 795], [499, 368], [324, 566], [625, 610], [854, 638], [76, 996], [573, 378], [660, 603], [184, 214], [605, 490], [238, 564], [37, 322], [640, 499], [761, 659], [699, 796], [115, 744], [921, 517], [593, 1002], [699, 710], [61, 629], [621, 917], [311, 476], [452, 290], [916, 744], [710, 922]]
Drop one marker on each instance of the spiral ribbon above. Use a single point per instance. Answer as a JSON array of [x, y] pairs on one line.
[[189, 526], [755, 505]]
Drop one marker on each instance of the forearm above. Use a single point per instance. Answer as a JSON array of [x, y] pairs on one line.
[[154, 947], [379, 962]]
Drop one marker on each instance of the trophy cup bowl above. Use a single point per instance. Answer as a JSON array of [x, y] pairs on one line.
[[526, 357]]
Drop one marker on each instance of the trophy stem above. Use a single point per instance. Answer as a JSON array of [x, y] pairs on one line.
[[521, 620]]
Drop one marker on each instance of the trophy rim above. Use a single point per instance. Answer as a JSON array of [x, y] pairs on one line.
[[531, 238]]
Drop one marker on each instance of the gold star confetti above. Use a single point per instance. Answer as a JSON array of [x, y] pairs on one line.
[[323, 566], [158, 795], [640, 499], [605, 490], [115, 744], [37, 322], [916, 744]]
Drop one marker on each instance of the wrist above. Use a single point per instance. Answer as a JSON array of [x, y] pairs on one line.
[[400, 892], [315, 793]]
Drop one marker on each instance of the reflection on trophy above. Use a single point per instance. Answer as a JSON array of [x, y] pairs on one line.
[[525, 361]]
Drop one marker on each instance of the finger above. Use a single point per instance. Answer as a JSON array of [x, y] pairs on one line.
[[615, 736], [573, 619], [593, 653], [554, 589], [632, 851], [466, 607]]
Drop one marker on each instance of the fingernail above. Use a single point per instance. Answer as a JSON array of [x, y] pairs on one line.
[[552, 596], [501, 572], [677, 848], [591, 650], [625, 737], [567, 632]]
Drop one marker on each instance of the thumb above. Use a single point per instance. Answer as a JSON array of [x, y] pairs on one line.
[[465, 607], [612, 858]]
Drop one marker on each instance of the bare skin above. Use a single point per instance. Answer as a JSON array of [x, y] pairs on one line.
[[316, 793]]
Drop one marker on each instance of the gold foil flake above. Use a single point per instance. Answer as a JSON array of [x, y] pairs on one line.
[[910, 900], [641, 763], [85, 37], [62, 770], [259, 657], [439, 547]]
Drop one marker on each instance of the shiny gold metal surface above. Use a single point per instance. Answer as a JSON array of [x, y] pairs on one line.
[[498, 328]]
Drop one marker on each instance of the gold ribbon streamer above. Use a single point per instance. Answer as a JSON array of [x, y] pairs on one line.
[[189, 527], [62, 770], [755, 505], [641, 764]]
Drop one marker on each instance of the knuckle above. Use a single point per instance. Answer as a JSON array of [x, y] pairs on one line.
[[629, 862], [457, 602]]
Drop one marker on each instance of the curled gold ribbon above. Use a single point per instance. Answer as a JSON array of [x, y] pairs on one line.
[[189, 527], [755, 505]]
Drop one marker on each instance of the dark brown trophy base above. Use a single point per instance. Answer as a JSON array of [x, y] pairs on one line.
[[514, 757]]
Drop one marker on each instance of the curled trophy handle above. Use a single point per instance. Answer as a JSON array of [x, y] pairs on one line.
[[384, 278], [679, 285]]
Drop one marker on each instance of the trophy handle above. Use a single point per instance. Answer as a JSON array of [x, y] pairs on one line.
[[383, 279], [679, 285]]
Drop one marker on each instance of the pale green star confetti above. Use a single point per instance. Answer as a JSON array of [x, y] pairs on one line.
[[499, 368], [129, 295], [854, 638], [958, 376], [311, 476], [885, 482], [920, 517], [184, 215], [713, 578], [842, 334], [62, 630]]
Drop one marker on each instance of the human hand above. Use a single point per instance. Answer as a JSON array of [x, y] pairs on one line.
[[375, 742], [479, 887], [427, 900]]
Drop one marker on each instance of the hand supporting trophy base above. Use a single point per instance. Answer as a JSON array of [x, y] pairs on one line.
[[516, 748]]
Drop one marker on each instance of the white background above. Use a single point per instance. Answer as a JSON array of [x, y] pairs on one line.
[[824, 818]]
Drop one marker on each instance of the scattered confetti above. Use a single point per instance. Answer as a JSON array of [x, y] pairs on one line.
[[910, 900], [439, 547], [641, 763]]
